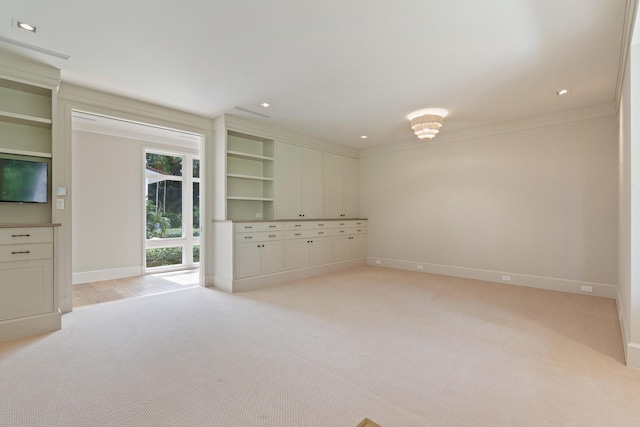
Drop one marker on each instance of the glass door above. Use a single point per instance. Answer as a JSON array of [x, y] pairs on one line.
[[172, 189]]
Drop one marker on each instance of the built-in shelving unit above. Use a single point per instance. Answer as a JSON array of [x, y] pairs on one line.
[[250, 176]]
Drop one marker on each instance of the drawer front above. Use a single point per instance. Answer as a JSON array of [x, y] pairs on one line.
[[258, 237], [26, 252], [250, 227], [353, 224], [305, 234], [10, 236], [308, 225], [349, 231]]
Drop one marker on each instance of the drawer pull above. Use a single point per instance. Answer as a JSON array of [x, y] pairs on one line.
[[342, 231], [320, 232], [248, 226], [298, 234], [298, 225], [21, 235], [358, 231], [272, 226], [320, 225], [20, 252], [272, 235], [248, 237], [342, 223]]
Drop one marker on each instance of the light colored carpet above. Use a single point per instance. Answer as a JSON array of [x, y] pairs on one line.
[[400, 348]]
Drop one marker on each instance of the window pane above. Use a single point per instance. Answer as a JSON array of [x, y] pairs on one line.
[[196, 253], [164, 165], [164, 209], [196, 168], [158, 257], [196, 209]]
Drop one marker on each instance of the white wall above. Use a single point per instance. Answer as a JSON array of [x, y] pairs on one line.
[[540, 205], [629, 231], [107, 206]]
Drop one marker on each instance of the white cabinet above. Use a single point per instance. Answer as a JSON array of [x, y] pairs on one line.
[[299, 182], [340, 186], [258, 249], [27, 287], [309, 252]]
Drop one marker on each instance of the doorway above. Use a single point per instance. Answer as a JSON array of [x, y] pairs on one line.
[[112, 187]]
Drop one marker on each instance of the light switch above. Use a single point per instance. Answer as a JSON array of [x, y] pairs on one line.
[[60, 204], [61, 191]]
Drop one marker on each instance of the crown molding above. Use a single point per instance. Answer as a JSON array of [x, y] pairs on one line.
[[627, 39], [546, 120], [30, 72]]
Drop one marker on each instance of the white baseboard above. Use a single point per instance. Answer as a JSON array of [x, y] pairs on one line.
[[31, 325], [256, 282], [111, 274], [541, 282]]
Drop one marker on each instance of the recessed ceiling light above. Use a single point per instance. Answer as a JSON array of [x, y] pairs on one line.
[[562, 92], [265, 105], [364, 137], [27, 26]]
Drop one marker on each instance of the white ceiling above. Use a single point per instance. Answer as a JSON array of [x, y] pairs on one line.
[[336, 69]]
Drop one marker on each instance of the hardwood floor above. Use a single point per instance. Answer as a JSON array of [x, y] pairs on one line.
[[111, 290]]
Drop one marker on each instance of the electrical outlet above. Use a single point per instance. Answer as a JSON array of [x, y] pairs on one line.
[[506, 278], [584, 288], [378, 262], [620, 315], [420, 267]]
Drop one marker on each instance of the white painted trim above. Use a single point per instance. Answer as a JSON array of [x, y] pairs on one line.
[[31, 325], [632, 351], [266, 280], [551, 283], [578, 114], [623, 328], [110, 274]]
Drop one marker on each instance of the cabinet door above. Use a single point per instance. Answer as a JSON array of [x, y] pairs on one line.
[[288, 181], [340, 248], [358, 247], [312, 183], [26, 288], [271, 257], [296, 254], [320, 251], [247, 260], [350, 187], [332, 185]]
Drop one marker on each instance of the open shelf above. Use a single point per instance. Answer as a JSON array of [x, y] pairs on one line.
[[255, 199], [23, 119], [247, 156], [252, 177]]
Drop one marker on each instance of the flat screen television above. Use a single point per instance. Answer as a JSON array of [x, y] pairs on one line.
[[23, 181]]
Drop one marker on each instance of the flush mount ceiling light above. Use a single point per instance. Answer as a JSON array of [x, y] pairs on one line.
[[426, 123], [562, 92], [265, 105], [364, 137]]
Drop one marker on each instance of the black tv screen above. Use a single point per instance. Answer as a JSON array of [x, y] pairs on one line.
[[23, 181]]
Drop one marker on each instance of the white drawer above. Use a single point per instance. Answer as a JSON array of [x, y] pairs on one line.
[[262, 236], [26, 252], [353, 223], [308, 225], [257, 226], [304, 234], [10, 236], [348, 231]]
